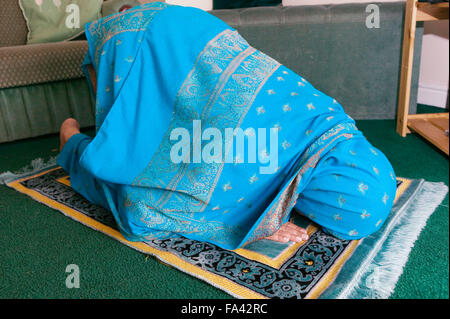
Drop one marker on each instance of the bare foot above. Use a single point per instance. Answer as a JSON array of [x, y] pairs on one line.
[[289, 232], [68, 128]]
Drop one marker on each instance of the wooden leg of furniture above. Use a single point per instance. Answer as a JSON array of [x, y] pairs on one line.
[[406, 70]]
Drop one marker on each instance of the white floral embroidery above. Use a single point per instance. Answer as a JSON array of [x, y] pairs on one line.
[[362, 188], [341, 200], [253, 179], [353, 232], [226, 187], [285, 145], [376, 170], [385, 198], [277, 127], [260, 110], [364, 214], [392, 175], [286, 108]]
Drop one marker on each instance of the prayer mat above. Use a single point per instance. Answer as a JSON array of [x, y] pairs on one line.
[[321, 267]]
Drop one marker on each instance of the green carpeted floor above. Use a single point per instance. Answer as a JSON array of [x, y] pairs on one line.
[[37, 243]]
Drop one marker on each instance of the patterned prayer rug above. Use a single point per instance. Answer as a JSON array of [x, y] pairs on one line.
[[321, 267]]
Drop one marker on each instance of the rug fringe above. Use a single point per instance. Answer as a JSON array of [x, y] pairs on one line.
[[35, 166], [378, 277]]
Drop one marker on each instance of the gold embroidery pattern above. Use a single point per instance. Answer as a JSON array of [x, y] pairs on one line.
[[133, 20], [219, 91]]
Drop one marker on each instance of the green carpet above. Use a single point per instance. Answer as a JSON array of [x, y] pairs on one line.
[[37, 243]]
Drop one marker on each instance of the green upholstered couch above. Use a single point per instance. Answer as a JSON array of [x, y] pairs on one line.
[[330, 45]]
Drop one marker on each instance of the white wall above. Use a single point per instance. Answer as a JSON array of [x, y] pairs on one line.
[[434, 75], [201, 4]]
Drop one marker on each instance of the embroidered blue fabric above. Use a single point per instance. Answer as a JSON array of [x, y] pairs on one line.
[[160, 68]]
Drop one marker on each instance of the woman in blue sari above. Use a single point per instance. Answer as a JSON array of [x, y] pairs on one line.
[[162, 73]]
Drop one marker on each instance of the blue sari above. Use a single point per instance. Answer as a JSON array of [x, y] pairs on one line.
[[161, 67]]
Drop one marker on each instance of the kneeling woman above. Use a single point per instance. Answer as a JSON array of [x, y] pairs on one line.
[[161, 72]]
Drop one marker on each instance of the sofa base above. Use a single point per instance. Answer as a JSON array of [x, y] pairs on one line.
[[30, 111]]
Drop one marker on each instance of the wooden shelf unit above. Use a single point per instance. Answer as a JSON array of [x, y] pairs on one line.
[[432, 127]]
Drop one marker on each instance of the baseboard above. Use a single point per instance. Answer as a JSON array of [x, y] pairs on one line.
[[434, 95]]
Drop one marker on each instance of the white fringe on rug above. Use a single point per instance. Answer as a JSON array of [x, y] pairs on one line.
[[35, 166], [378, 275]]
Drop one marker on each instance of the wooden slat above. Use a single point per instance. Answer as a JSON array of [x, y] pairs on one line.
[[440, 123], [432, 11], [431, 133], [428, 116], [421, 5]]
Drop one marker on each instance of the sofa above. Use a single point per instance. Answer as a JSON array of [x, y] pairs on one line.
[[330, 45]]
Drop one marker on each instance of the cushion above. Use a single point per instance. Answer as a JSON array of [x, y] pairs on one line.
[[58, 20]]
